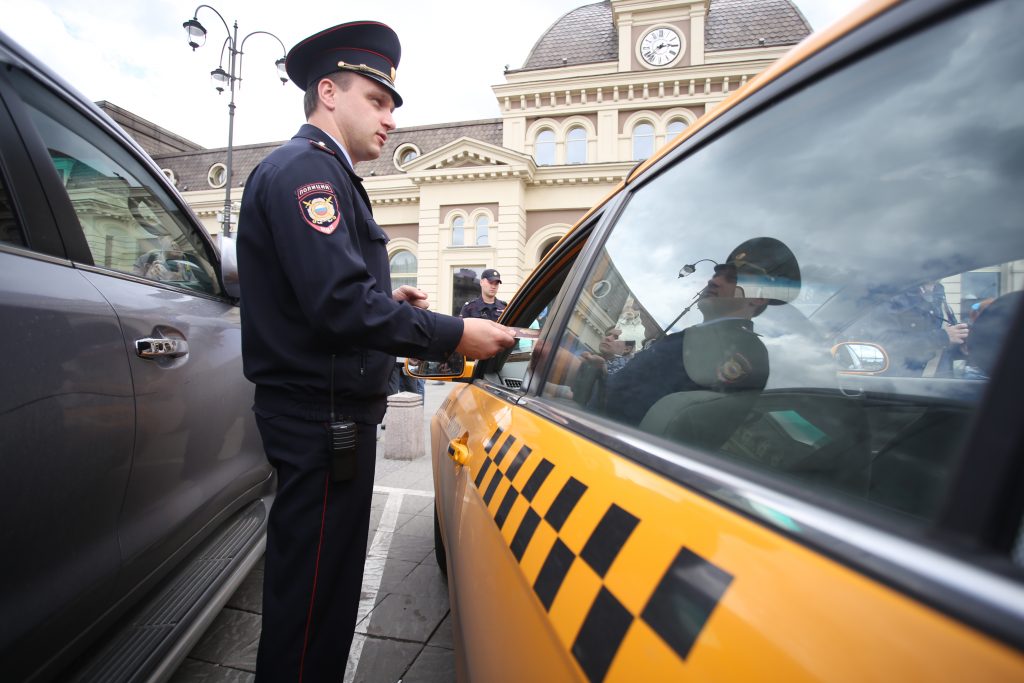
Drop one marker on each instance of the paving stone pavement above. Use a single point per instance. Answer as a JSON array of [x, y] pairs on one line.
[[404, 631]]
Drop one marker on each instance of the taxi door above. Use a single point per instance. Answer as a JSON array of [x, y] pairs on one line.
[[501, 507]]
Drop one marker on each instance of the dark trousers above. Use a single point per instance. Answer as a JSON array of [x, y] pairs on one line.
[[316, 548]]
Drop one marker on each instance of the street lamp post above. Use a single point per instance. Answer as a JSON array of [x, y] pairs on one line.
[[226, 79]]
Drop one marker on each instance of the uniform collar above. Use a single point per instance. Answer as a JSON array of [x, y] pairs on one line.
[[316, 134]]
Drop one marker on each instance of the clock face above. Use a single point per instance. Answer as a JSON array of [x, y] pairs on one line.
[[660, 46]]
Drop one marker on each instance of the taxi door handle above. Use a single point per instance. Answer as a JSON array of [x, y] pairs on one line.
[[458, 450]]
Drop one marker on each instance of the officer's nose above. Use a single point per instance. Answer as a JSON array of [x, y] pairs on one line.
[[389, 121]]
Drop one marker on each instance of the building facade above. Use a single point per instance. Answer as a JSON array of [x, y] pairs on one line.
[[603, 87]]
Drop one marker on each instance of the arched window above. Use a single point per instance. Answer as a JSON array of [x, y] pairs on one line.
[[675, 127], [217, 175], [643, 141], [546, 247], [576, 146], [405, 153], [403, 269], [482, 225], [544, 148], [458, 231]]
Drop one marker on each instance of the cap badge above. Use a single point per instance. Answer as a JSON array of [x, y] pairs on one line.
[[318, 205]]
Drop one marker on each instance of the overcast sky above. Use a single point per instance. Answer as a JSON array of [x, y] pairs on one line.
[[133, 53]]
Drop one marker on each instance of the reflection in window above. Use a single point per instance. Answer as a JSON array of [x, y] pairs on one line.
[[403, 269], [458, 231], [408, 155], [482, 236], [465, 286], [129, 224], [544, 148], [576, 146], [9, 230], [789, 333], [643, 141], [674, 128]]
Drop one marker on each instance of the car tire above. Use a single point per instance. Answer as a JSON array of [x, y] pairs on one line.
[[439, 554]]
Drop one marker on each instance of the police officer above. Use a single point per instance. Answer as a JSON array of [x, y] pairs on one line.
[[486, 305], [320, 329]]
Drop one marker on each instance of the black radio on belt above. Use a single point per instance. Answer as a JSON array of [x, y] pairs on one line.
[[342, 447], [341, 443]]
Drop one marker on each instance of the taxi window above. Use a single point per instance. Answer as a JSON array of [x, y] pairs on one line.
[[821, 293], [130, 224]]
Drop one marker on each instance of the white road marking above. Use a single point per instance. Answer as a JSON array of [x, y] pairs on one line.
[[373, 570], [404, 492]]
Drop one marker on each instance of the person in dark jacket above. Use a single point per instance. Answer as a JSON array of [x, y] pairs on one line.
[[723, 353], [320, 331]]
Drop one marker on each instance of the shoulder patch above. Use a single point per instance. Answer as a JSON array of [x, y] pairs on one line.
[[318, 205], [322, 146]]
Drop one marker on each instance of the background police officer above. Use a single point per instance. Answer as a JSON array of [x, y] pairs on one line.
[[320, 328], [486, 305]]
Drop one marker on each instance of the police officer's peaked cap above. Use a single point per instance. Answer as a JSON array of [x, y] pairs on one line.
[[492, 275], [766, 269], [368, 48]]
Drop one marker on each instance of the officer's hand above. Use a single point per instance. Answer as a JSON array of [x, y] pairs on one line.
[[957, 333], [416, 297], [482, 338]]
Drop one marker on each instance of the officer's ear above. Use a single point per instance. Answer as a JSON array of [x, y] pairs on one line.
[[327, 93]]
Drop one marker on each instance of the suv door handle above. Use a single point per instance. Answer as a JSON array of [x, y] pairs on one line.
[[150, 347]]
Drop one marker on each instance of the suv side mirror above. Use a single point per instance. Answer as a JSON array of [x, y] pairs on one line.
[[229, 266]]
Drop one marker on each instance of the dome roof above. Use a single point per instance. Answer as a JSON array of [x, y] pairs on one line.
[[584, 35], [587, 34]]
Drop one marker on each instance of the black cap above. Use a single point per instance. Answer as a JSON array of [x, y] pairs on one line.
[[766, 269], [492, 275], [368, 48]]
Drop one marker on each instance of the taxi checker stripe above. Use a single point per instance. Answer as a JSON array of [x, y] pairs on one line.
[[495, 480], [493, 440], [503, 451], [483, 472], [506, 506], [677, 609], [525, 533], [601, 635], [556, 566], [609, 536], [565, 503], [517, 462], [684, 599]]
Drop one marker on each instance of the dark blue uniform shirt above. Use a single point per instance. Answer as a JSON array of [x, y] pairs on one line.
[[478, 309], [316, 283]]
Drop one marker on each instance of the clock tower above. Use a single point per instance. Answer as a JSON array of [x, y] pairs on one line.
[[657, 35]]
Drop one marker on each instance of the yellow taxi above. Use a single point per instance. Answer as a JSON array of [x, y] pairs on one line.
[[764, 419]]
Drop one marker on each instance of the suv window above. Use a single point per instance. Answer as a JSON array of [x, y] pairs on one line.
[[10, 233], [792, 297], [130, 224]]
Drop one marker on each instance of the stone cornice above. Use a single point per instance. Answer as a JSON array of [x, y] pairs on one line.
[[583, 174], [670, 87]]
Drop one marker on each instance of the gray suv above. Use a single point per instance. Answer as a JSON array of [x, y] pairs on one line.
[[135, 489]]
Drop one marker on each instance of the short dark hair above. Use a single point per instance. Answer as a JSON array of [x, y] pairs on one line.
[[342, 79]]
